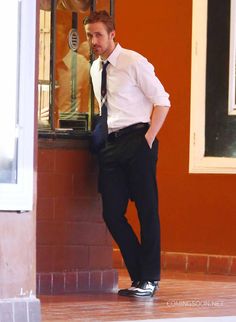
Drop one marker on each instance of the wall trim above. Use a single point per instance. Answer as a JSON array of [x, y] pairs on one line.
[[75, 282], [189, 262]]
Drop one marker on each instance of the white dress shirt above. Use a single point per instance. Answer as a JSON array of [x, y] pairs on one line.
[[132, 88]]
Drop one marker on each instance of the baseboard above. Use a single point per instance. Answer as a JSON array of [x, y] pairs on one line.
[[189, 262], [52, 283]]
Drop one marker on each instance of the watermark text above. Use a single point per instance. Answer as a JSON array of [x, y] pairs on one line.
[[194, 303]]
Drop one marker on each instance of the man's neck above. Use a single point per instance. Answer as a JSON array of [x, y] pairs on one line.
[[106, 55]]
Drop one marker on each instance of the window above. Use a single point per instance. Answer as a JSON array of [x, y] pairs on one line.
[[17, 104], [66, 100], [213, 130]]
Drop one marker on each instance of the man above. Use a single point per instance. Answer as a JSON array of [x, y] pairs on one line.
[[72, 74], [137, 105]]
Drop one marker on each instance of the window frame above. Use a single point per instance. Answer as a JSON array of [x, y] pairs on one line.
[[198, 162], [232, 60], [60, 133], [19, 196]]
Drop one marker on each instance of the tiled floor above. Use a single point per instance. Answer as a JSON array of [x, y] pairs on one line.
[[186, 297]]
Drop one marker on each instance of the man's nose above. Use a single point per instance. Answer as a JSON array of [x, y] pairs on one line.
[[93, 41]]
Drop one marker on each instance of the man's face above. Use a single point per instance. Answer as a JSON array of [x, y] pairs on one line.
[[99, 39]]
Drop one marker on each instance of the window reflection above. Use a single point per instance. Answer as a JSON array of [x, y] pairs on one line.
[[73, 5], [44, 66], [8, 143], [8, 166], [71, 74], [103, 5]]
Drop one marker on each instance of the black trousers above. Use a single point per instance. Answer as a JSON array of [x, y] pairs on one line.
[[127, 170]]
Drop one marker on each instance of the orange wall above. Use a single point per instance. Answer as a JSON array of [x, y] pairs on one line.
[[197, 210]]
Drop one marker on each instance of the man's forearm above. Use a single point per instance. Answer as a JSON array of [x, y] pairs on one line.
[[157, 120]]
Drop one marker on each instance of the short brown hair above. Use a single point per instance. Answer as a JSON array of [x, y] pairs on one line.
[[100, 16]]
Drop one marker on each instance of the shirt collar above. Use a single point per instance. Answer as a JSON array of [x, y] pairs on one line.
[[113, 56]]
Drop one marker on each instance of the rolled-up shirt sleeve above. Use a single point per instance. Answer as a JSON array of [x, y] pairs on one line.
[[150, 84]]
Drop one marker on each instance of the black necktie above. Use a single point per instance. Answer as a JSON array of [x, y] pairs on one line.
[[104, 96], [100, 132]]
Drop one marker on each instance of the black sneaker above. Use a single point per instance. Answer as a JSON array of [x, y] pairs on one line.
[[128, 291], [145, 289]]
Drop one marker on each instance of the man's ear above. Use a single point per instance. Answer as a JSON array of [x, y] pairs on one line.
[[113, 34]]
